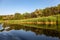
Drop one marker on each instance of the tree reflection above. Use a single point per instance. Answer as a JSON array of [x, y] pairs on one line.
[[38, 31]]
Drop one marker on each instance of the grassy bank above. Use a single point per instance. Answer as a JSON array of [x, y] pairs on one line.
[[49, 22], [49, 19]]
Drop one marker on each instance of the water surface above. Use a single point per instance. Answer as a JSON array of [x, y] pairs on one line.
[[18, 32]]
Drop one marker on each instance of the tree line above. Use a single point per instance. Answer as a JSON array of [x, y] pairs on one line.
[[49, 11]]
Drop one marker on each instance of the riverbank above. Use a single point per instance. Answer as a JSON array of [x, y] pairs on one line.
[[51, 22], [40, 20]]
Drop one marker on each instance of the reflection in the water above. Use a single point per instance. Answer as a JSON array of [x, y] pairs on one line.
[[1, 26], [23, 35], [19, 32]]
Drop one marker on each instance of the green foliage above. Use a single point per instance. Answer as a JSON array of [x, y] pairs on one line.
[[26, 15], [18, 16], [0, 17]]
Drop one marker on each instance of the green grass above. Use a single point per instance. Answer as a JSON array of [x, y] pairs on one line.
[[42, 19], [1, 21], [39, 19]]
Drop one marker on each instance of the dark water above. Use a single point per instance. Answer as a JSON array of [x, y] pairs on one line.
[[19, 32]]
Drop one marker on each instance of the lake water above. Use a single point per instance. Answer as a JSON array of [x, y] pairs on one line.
[[18, 32]]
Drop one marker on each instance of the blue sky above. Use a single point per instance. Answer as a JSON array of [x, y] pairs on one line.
[[22, 6]]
